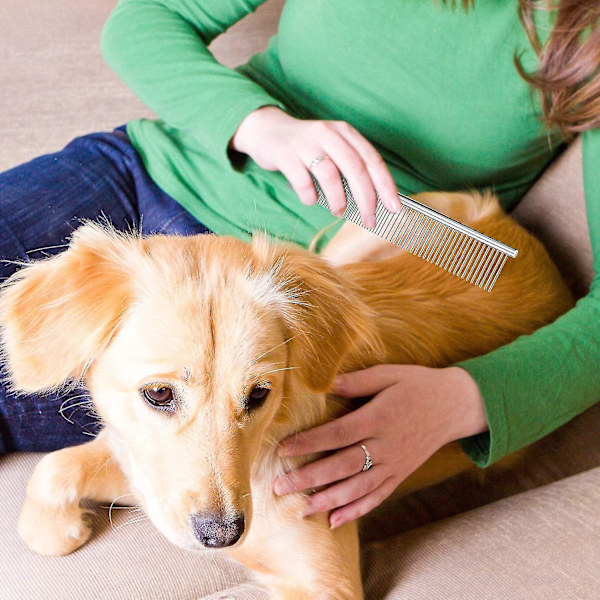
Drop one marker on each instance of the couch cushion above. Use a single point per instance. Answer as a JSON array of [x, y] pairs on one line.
[[119, 562], [554, 210], [55, 84], [539, 544]]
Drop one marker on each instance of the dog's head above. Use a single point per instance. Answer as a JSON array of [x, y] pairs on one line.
[[201, 353]]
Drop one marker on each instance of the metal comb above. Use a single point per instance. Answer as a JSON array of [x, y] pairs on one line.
[[434, 237]]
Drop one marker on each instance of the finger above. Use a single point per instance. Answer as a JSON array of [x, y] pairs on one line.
[[300, 180], [345, 492], [367, 382], [342, 464], [378, 170], [361, 506], [339, 433], [350, 163], [329, 179]]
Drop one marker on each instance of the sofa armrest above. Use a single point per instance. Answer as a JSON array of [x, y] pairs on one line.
[[554, 210]]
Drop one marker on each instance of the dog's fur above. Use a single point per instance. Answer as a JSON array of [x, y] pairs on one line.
[[214, 316]]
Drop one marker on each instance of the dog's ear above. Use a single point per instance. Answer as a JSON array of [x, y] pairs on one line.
[[326, 317], [57, 313]]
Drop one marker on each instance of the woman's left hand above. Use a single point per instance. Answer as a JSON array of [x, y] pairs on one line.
[[414, 411]]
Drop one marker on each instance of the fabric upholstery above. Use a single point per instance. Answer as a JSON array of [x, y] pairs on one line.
[[55, 85], [554, 210], [122, 563], [540, 544]]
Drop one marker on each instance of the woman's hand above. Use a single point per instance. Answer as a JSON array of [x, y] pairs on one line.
[[278, 142], [414, 412]]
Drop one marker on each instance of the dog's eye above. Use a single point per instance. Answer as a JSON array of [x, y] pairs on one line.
[[257, 397], [158, 394]]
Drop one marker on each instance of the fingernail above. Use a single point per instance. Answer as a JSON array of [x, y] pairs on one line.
[[396, 206], [334, 523], [370, 221], [337, 382]]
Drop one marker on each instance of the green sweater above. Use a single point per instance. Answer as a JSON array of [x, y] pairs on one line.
[[436, 92]]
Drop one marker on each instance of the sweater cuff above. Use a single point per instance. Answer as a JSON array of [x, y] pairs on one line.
[[487, 447], [230, 123]]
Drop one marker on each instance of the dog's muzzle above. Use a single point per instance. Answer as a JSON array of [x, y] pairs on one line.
[[217, 530]]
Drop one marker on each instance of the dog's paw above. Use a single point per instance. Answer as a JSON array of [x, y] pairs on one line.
[[53, 531]]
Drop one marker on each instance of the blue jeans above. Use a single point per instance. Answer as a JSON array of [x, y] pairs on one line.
[[41, 204]]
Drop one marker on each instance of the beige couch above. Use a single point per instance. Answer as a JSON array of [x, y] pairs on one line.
[[527, 534]]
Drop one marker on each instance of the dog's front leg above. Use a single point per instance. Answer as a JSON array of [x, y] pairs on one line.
[[325, 566], [52, 522], [300, 558]]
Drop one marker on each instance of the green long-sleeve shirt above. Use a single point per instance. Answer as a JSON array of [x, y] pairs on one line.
[[436, 92]]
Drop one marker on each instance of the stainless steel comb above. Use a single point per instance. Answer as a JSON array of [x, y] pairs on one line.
[[434, 237]]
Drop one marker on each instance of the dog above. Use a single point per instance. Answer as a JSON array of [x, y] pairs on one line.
[[202, 353]]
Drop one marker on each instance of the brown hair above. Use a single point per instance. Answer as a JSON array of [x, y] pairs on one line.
[[568, 75]]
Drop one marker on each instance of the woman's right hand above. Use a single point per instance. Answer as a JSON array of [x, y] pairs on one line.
[[277, 141]]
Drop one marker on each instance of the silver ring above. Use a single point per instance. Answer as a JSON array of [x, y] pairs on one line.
[[315, 161], [368, 460]]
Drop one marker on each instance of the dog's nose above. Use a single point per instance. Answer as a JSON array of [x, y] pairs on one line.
[[217, 530]]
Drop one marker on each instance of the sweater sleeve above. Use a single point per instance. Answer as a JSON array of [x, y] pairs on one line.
[[159, 48], [540, 381]]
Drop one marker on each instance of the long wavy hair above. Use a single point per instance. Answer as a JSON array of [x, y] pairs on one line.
[[568, 73]]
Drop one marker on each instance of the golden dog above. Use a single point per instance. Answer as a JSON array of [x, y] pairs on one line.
[[202, 353]]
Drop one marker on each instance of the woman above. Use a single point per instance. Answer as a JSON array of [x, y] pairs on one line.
[[408, 95]]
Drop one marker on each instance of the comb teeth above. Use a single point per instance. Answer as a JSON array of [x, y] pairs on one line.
[[434, 237]]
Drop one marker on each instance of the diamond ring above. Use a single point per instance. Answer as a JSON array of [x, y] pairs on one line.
[[315, 161], [368, 460]]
